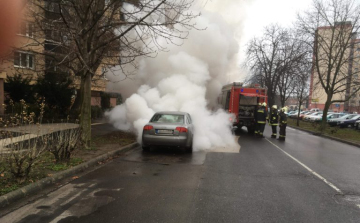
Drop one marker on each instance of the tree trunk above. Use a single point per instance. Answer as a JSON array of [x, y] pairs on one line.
[[324, 121], [298, 118], [282, 100], [271, 98], [85, 111]]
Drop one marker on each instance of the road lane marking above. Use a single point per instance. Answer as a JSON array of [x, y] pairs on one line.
[[308, 168], [99, 123]]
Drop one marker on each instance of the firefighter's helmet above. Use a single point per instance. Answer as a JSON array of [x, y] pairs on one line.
[[264, 104], [259, 103], [274, 106]]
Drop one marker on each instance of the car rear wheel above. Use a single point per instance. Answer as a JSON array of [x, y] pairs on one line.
[[189, 149], [146, 148]]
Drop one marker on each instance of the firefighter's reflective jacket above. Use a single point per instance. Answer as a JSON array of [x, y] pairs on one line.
[[261, 115], [282, 118], [274, 117]]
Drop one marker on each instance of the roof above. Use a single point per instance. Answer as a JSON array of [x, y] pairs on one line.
[[172, 113]]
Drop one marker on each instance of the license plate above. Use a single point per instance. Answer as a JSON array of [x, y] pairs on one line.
[[164, 131]]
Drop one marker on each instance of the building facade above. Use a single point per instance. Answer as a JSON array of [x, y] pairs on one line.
[[346, 81], [35, 49]]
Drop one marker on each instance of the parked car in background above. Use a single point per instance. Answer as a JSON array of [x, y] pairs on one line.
[[335, 115], [348, 122], [316, 116], [357, 125], [296, 114], [293, 115], [290, 113], [329, 116], [307, 117], [303, 114], [168, 129], [334, 121]]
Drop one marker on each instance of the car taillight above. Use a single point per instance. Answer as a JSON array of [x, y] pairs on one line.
[[181, 129], [148, 127]]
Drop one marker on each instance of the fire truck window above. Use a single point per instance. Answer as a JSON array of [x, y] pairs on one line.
[[227, 100]]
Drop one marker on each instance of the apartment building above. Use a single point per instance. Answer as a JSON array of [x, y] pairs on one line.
[[35, 49], [348, 76], [353, 105], [26, 57]]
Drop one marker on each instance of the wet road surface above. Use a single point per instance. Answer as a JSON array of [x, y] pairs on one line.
[[305, 179]]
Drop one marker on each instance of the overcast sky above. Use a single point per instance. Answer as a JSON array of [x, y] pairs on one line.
[[261, 13], [250, 17]]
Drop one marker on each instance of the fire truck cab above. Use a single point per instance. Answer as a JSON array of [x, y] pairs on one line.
[[242, 101]]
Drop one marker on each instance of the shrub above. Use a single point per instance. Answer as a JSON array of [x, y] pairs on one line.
[[20, 156], [57, 91], [62, 143], [19, 88], [96, 112], [105, 100]]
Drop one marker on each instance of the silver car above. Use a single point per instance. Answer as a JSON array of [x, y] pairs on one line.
[[170, 129]]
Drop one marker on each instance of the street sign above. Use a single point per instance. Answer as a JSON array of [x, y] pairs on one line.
[[314, 100], [337, 105]]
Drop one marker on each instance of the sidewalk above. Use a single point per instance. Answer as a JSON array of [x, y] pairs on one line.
[[33, 131]]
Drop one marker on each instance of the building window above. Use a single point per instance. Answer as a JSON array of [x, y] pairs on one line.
[[26, 29], [24, 60]]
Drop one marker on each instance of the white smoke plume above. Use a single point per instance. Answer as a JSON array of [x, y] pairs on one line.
[[186, 78]]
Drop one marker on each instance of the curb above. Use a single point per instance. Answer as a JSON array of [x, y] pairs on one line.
[[41, 184], [328, 137]]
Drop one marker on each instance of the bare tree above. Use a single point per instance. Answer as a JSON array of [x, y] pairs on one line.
[[297, 55], [301, 86], [272, 59], [88, 38], [332, 26], [286, 87], [264, 59]]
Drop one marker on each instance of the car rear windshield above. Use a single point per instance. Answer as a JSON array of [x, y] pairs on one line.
[[167, 118]]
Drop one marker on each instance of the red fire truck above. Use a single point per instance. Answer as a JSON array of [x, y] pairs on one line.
[[242, 101]]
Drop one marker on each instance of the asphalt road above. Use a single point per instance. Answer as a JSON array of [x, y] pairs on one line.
[[305, 179]]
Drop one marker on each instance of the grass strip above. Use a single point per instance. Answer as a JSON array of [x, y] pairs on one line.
[[348, 134]]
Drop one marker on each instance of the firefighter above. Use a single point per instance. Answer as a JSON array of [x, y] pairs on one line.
[[261, 115], [274, 120], [283, 123], [255, 117]]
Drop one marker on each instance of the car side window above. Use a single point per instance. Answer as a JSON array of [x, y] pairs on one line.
[[188, 119]]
